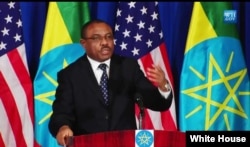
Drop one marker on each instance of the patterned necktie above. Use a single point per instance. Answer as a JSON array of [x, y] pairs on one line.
[[104, 83]]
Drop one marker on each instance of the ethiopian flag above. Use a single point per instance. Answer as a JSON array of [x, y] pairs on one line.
[[60, 48], [214, 88]]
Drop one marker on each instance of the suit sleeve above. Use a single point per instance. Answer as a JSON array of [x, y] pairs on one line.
[[62, 105]]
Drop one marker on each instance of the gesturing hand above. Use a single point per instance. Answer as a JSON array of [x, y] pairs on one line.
[[157, 76]]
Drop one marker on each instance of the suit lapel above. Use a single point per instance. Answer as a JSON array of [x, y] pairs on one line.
[[114, 77], [90, 79]]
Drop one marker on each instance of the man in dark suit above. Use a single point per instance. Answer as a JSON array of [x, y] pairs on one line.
[[79, 107]]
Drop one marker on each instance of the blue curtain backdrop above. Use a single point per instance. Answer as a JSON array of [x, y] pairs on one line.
[[175, 18], [245, 31], [34, 17]]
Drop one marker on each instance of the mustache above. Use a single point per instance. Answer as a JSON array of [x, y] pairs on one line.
[[105, 47]]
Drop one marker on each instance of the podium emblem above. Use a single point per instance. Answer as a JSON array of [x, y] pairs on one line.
[[144, 138]]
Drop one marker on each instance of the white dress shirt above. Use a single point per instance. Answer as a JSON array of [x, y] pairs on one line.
[[97, 71]]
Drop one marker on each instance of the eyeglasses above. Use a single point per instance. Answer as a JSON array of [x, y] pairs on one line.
[[99, 38]]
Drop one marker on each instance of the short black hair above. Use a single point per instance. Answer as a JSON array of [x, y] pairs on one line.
[[87, 24]]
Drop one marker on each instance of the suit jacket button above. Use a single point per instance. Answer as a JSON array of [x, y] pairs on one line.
[[107, 117]]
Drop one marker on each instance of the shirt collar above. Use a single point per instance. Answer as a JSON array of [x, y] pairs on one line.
[[95, 63]]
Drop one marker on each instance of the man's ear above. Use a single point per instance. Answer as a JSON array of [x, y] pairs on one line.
[[82, 41]]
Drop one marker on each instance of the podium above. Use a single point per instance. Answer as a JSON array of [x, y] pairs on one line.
[[127, 139]]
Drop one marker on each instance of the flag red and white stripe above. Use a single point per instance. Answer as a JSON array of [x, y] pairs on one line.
[[16, 108], [16, 91], [160, 120], [139, 35]]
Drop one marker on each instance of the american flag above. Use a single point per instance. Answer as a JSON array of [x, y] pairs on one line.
[[16, 94], [138, 34]]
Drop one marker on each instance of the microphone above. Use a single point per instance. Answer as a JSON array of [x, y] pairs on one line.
[[138, 99]]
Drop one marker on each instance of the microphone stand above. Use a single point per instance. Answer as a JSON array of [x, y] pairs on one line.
[[141, 116], [139, 100]]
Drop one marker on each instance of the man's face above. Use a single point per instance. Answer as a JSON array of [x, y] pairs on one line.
[[99, 42]]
